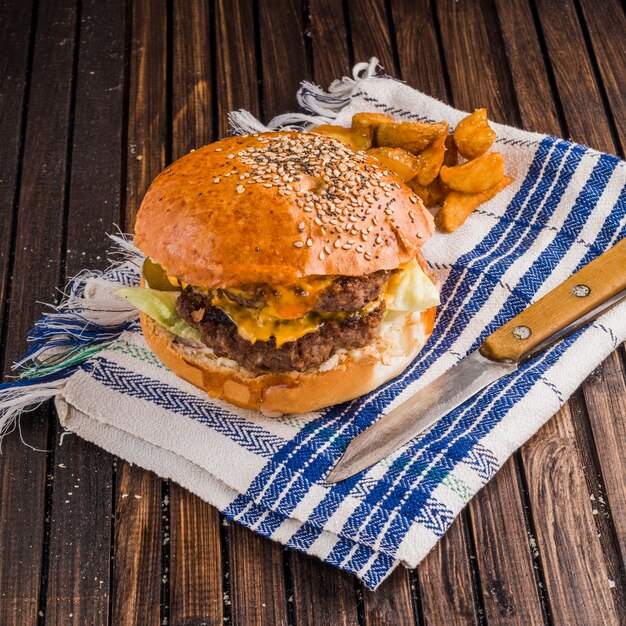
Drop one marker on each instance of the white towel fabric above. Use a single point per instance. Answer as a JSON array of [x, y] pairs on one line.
[[566, 206]]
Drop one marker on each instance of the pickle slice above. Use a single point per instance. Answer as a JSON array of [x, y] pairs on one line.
[[156, 277]]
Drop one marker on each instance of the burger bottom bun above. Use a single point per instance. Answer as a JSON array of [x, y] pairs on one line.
[[346, 375]]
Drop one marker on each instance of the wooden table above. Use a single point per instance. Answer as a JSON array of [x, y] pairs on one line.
[[98, 96]]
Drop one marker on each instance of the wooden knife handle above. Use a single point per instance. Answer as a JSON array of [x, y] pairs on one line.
[[583, 296]]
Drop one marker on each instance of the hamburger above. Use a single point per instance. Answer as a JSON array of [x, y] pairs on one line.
[[283, 271]]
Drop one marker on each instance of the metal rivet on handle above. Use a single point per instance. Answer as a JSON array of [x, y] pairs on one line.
[[581, 291], [522, 332]]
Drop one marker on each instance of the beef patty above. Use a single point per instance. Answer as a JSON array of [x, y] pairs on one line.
[[219, 332], [345, 293]]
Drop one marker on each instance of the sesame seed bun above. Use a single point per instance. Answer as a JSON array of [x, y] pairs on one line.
[[277, 207], [344, 376]]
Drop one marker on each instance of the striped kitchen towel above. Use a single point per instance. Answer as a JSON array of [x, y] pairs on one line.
[[566, 206]]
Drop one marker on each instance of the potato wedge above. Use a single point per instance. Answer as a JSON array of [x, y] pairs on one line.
[[403, 163], [458, 206], [476, 175], [429, 161], [365, 124], [451, 157], [473, 135], [369, 120], [346, 135], [431, 195], [412, 136]]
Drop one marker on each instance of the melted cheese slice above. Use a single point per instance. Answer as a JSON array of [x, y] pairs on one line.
[[290, 302], [260, 324]]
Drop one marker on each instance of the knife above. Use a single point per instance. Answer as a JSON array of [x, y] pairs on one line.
[[581, 298]]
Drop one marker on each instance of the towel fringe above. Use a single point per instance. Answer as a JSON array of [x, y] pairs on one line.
[[322, 106], [87, 320]]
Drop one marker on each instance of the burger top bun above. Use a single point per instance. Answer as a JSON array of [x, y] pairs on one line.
[[277, 207]]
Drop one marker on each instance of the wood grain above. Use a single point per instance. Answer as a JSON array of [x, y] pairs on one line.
[[475, 60], [391, 603], [534, 97], [79, 554], [328, 34], [578, 89], [567, 538], [195, 550], [445, 581], [36, 273], [137, 571], [14, 33], [418, 47], [283, 55], [323, 595], [370, 33], [607, 28], [258, 593], [237, 64]]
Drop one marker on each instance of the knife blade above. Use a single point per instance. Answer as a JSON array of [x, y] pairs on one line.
[[418, 413], [582, 297]]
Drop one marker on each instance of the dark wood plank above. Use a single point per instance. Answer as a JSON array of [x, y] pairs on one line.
[[605, 397], [445, 581], [607, 29], [418, 47], [330, 54], [14, 33], [475, 59], [80, 528], [236, 62], [505, 563], [323, 595], [137, 568], [137, 541], [477, 69], [527, 66], [195, 551], [36, 274], [370, 33], [283, 55], [258, 593], [577, 579], [577, 86], [391, 603]]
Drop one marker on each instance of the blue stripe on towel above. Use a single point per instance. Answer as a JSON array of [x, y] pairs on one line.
[[241, 431]]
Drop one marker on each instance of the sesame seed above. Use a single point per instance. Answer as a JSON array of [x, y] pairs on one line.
[[240, 188], [346, 246], [218, 149], [301, 226], [298, 244], [413, 199], [216, 180], [337, 243], [309, 242], [230, 156], [321, 256], [420, 235], [326, 249]]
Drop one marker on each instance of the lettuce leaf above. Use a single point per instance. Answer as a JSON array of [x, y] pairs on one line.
[[161, 307], [411, 290]]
